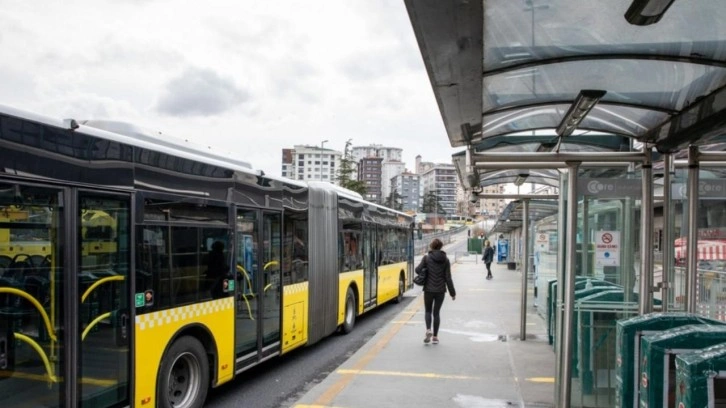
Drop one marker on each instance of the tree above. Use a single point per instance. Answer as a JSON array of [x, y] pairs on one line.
[[347, 169], [394, 201], [432, 204]]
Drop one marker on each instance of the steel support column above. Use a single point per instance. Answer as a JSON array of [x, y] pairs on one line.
[[645, 303], [525, 271], [627, 265], [560, 268], [668, 252], [692, 254], [569, 288]]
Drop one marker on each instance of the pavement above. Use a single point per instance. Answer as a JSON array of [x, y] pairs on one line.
[[479, 362]]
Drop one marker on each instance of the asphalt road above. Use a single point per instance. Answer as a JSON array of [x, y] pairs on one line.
[[281, 382]]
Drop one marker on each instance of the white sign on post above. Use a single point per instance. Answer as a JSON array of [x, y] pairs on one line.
[[607, 248], [542, 241]]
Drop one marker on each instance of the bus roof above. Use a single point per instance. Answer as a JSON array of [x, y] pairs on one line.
[[158, 138], [140, 139]]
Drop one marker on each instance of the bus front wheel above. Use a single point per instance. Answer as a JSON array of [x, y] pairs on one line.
[[184, 375], [349, 320], [401, 289]]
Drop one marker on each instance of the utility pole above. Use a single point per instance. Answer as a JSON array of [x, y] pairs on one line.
[[321, 158]]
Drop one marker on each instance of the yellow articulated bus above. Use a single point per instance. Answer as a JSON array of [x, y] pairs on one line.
[[137, 271]]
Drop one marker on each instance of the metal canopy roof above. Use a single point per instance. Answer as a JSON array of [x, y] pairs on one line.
[[500, 68], [512, 216]]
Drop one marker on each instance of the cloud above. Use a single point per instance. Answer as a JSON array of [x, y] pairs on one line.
[[201, 92]]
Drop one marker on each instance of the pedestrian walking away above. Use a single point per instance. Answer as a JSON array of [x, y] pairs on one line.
[[488, 258], [438, 279]]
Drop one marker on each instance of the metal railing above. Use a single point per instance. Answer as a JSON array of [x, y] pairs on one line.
[[710, 292], [420, 246]]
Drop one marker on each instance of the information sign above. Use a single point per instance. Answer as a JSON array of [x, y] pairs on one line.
[[607, 248]]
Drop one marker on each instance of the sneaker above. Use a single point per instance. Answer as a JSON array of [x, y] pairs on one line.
[[428, 336], [489, 277], [435, 340]]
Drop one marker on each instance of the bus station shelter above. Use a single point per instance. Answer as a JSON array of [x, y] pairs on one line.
[[619, 107]]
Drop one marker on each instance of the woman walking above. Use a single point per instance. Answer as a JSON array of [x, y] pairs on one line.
[[488, 258], [438, 279]]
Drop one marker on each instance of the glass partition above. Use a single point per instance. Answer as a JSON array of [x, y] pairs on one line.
[[710, 280], [607, 268]]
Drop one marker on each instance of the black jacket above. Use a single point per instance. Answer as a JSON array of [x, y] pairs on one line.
[[438, 273], [488, 255]]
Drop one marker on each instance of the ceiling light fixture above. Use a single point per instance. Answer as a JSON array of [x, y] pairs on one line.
[[585, 101], [521, 178], [646, 12]]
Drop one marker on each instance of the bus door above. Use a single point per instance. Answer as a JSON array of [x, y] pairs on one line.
[[257, 258], [370, 271], [64, 263], [247, 231], [103, 229], [270, 317], [33, 226]]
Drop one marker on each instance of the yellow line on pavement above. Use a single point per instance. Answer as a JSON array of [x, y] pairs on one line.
[[327, 397], [313, 406], [403, 374], [548, 380], [492, 290]]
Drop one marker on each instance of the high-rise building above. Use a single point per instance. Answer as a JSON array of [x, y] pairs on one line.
[[391, 164], [390, 169], [408, 188], [422, 166], [376, 150], [441, 180], [311, 163], [491, 207], [369, 171], [288, 169]]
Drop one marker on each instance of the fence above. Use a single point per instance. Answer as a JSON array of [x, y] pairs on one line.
[[710, 292], [421, 246]]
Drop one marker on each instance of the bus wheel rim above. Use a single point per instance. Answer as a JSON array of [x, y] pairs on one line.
[[184, 378], [349, 311]]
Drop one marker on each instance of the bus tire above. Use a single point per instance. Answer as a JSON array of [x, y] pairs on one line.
[[350, 309], [183, 375], [401, 288]]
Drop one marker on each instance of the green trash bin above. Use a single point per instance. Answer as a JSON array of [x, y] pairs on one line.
[[627, 348], [474, 245], [701, 377], [581, 283], [594, 320], [657, 364]]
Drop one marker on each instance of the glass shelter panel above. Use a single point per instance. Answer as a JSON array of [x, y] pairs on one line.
[[607, 264], [710, 282]]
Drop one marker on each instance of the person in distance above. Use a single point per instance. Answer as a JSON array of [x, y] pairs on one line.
[[438, 279], [488, 258]]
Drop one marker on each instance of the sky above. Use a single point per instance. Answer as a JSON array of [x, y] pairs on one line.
[[244, 77]]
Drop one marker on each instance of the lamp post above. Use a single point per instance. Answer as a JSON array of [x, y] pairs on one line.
[[436, 194], [436, 208], [321, 158]]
